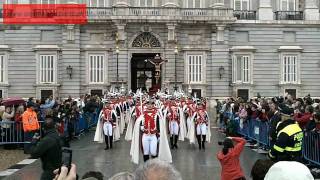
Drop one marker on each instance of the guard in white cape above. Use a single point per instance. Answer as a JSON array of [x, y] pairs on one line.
[[174, 120], [202, 122]]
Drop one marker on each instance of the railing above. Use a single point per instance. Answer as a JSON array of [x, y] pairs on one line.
[[289, 15], [257, 130], [12, 132], [311, 147], [248, 15], [98, 13]]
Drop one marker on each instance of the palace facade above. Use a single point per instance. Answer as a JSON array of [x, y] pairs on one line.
[[215, 48]]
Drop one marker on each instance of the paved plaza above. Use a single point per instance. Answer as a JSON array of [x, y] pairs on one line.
[[191, 162]]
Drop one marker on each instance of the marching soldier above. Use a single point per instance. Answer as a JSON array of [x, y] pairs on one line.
[[150, 128], [109, 117], [174, 120], [201, 125]]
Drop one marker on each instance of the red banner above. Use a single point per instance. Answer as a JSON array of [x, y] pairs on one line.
[[44, 14]]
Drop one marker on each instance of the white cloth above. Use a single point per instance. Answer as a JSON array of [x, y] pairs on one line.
[[191, 130], [288, 170], [202, 129], [208, 137], [183, 127], [164, 149], [98, 135], [116, 130], [135, 143], [107, 128], [174, 128], [149, 143]]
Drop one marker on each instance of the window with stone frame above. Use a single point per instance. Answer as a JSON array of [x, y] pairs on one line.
[[146, 3], [241, 5], [195, 68], [96, 68], [49, 2], [290, 68], [47, 69], [287, 5], [241, 70], [193, 3], [2, 68], [97, 3]]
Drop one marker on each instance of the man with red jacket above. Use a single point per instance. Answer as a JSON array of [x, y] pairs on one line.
[[174, 121], [303, 118]]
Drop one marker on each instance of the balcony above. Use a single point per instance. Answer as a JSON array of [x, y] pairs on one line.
[[248, 15], [158, 13], [288, 15]]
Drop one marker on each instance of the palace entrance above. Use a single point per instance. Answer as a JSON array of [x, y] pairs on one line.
[[143, 73]]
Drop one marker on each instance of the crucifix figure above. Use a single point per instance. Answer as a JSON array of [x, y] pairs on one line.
[[157, 61]]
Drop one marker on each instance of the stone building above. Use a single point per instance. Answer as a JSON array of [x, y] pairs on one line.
[[215, 48]]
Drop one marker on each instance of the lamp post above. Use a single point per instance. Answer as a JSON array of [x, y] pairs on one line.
[[221, 71], [117, 52], [175, 68]]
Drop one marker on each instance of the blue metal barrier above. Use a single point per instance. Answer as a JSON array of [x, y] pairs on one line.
[[12, 132], [311, 147]]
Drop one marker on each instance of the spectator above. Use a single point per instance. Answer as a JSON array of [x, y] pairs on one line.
[[314, 123], [93, 175], [30, 125], [286, 170], [303, 118], [48, 149], [64, 174], [274, 120], [229, 159], [123, 176], [260, 169], [7, 119], [157, 169]]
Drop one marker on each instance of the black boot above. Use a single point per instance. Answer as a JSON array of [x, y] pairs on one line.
[[176, 141], [145, 158], [111, 141], [203, 141], [199, 141], [171, 142], [153, 157], [106, 138]]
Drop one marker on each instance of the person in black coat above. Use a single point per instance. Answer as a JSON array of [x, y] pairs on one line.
[[48, 149]]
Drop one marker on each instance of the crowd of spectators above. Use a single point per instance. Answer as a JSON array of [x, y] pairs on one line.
[[65, 113], [306, 111]]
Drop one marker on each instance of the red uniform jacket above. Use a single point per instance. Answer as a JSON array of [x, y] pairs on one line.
[[230, 163], [150, 123]]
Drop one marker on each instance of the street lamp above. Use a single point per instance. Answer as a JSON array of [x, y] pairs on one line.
[[69, 71], [175, 67], [221, 71], [117, 52]]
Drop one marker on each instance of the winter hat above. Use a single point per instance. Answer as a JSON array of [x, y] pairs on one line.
[[288, 170]]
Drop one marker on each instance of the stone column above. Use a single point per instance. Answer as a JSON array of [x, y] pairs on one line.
[[220, 33], [311, 10], [170, 3], [265, 10]]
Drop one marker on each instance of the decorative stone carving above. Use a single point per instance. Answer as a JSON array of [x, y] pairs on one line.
[[70, 32], [195, 38], [146, 40]]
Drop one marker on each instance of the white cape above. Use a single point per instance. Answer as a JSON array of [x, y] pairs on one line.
[[191, 131], [98, 135], [164, 148], [135, 143], [128, 135], [183, 127], [208, 135]]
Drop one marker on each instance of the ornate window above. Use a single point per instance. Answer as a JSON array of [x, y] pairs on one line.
[[146, 40]]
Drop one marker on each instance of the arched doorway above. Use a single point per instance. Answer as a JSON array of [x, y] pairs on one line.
[[143, 72]]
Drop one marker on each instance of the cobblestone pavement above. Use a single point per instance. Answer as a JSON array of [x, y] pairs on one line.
[[10, 157], [192, 163]]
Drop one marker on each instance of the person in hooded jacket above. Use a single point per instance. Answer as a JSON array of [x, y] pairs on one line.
[[229, 158]]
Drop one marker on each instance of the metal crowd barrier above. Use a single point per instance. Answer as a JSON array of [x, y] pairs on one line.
[[12, 132], [311, 147], [254, 129]]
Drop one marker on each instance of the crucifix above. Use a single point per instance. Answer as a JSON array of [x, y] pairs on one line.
[[157, 61]]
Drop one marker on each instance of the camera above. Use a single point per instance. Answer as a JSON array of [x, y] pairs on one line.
[[67, 157]]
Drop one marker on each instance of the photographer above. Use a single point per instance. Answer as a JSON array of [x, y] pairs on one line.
[[229, 158], [48, 149]]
